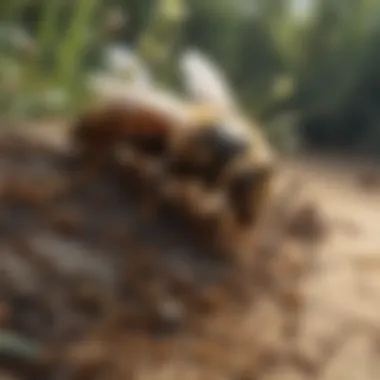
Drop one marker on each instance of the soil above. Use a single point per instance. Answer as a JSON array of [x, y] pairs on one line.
[[97, 282]]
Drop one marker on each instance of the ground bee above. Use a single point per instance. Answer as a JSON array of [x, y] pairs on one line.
[[203, 136]]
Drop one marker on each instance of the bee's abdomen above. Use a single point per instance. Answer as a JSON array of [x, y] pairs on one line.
[[143, 129]]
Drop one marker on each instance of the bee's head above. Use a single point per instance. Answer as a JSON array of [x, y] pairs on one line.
[[211, 145], [221, 141]]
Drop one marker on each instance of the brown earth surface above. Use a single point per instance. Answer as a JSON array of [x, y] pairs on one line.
[[89, 290], [343, 292]]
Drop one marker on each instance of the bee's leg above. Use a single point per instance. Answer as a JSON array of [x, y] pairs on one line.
[[247, 193], [212, 173], [183, 168], [207, 173], [155, 145], [150, 196]]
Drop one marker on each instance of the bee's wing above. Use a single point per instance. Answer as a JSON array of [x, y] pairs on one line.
[[122, 61], [204, 81], [109, 89], [207, 85]]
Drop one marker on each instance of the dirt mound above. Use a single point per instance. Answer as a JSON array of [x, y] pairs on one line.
[[99, 281]]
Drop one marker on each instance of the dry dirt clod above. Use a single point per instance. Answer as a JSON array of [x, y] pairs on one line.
[[307, 223]]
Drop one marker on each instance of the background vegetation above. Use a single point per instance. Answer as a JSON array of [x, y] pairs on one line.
[[305, 68]]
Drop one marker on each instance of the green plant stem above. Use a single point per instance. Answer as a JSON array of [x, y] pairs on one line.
[[74, 44]]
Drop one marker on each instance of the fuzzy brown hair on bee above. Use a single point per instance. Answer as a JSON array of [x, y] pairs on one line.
[[100, 129], [206, 148], [194, 139], [191, 142]]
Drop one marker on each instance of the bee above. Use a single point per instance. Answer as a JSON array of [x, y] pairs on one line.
[[204, 136]]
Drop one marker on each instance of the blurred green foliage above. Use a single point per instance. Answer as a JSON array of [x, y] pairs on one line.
[[315, 60]]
